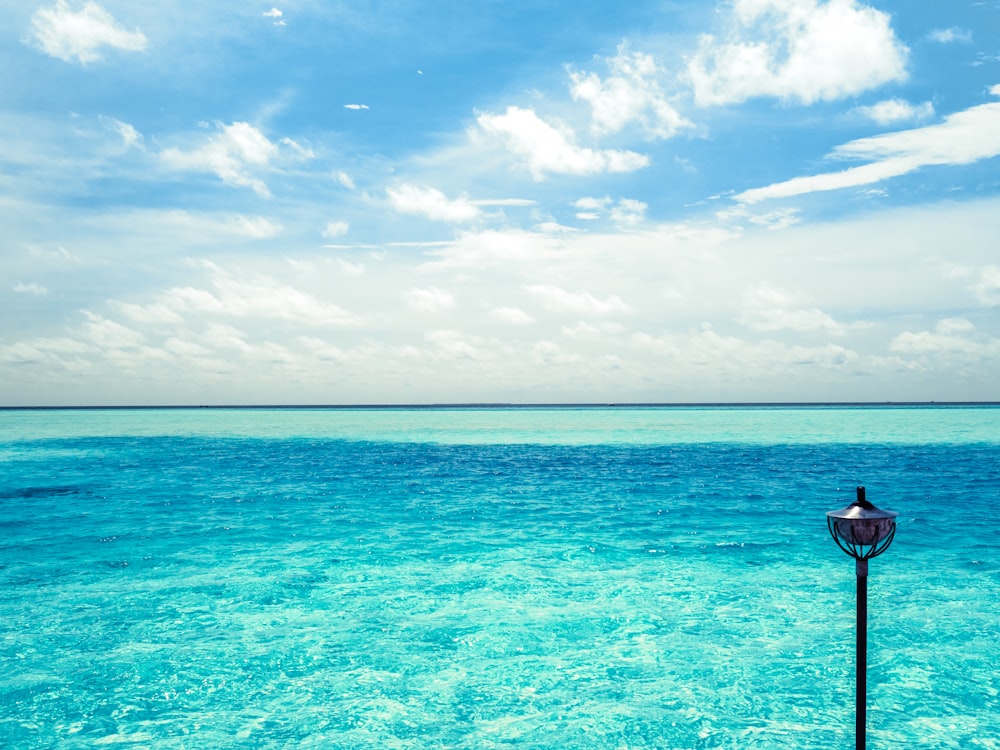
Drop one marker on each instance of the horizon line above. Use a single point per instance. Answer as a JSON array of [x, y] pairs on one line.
[[503, 405]]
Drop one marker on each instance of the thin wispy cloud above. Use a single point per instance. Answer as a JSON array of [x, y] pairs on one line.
[[36, 289], [950, 35], [962, 138]]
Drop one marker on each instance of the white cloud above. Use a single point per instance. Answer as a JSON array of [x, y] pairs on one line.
[[963, 138], [273, 13], [154, 314], [767, 308], [301, 151], [590, 209], [949, 35], [432, 203], [429, 300], [511, 315], [494, 249], [345, 179], [46, 351], [780, 218], [129, 135], [257, 297], [107, 334], [256, 227], [807, 50], [547, 149], [514, 202], [951, 337], [628, 212], [336, 229], [37, 289], [80, 35], [632, 93], [231, 154], [892, 111], [356, 106], [452, 344], [987, 288], [578, 303], [593, 204]]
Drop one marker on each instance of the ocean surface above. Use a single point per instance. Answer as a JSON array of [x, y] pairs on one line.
[[578, 578]]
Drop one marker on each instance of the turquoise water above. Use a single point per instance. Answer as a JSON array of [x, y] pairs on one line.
[[493, 578]]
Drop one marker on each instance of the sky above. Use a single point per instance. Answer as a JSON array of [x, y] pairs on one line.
[[544, 201]]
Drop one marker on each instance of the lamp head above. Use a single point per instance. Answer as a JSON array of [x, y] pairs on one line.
[[862, 530]]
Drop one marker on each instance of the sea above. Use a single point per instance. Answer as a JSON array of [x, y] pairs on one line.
[[613, 577]]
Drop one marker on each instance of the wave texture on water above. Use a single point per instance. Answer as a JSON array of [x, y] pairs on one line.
[[229, 591]]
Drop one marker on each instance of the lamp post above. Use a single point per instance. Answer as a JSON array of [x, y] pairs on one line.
[[862, 531]]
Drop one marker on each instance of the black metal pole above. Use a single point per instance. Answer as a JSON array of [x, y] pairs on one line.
[[862, 665]]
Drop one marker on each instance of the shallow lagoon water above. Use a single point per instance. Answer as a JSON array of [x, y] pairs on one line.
[[493, 578]]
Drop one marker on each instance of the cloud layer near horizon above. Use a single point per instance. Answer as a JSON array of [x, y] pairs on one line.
[[777, 200]]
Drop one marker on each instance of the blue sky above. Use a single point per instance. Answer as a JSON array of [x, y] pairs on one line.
[[396, 202]]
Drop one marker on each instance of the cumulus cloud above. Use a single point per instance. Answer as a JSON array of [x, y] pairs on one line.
[[547, 149], [632, 93], [591, 209], [336, 229], [81, 35], [806, 50], [952, 337], [232, 154], [257, 297], [963, 138], [432, 203], [356, 106], [893, 111], [987, 287], [767, 308], [108, 334], [276, 15], [428, 300], [579, 303], [628, 212]]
